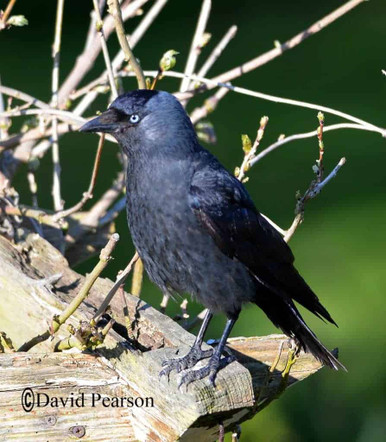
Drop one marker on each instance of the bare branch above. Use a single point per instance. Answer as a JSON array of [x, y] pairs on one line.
[[4, 122], [99, 26], [112, 213], [89, 194], [250, 150], [136, 285], [31, 135], [311, 134], [56, 192], [66, 116], [217, 51], [118, 283], [195, 50], [7, 12], [312, 192], [115, 11], [11, 92], [93, 217], [39, 215], [209, 105]]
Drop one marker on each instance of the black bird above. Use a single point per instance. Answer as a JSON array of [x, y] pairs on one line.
[[197, 230]]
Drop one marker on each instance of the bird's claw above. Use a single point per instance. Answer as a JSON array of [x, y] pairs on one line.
[[187, 361], [211, 369]]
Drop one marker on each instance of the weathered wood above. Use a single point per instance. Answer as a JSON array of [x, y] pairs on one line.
[[119, 368]]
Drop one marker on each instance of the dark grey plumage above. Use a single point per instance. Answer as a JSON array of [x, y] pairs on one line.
[[197, 230]]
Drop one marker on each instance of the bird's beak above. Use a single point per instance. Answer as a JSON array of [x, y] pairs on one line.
[[106, 122]]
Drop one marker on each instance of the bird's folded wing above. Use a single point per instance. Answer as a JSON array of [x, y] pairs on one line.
[[225, 210]]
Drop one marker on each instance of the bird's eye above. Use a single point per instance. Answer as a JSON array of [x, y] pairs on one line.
[[134, 118]]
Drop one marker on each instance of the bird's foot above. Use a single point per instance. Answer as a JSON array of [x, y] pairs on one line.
[[215, 364], [190, 360]]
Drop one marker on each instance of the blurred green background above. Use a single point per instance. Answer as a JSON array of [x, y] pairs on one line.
[[339, 249]]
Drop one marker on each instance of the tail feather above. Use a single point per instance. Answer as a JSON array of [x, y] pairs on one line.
[[285, 315], [289, 281]]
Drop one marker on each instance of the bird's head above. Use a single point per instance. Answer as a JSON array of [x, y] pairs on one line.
[[145, 120]]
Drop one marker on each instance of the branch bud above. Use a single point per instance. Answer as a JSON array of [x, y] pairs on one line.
[[17, 20], [246, 142], [263, 124], [99, 25], [206, 36], [168, 60]]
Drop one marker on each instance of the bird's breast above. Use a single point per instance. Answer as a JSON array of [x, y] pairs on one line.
[[178, 254]]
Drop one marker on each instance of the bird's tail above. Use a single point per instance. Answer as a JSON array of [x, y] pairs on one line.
[[284, 314]]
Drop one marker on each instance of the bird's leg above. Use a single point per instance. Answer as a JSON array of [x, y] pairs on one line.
[[215, 362], [195, 354]]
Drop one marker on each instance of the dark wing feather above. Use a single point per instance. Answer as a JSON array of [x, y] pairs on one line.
[[224, 208]]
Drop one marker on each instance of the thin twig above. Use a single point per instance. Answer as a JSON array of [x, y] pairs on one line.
[[7, 11], [128, 322], [112, 213], [89, 193], [316, 186], [58, 321], [32, 135], [115, 11], [31, 212], [302, 136], [118, 283], [66, 116], [273, 224], [91, 219], [194, 51], [23, 96], [136, 285], [217, 51], [209, 106], [92, 31], [140, 30], [250, 150], [6, 343], [106, 56], [56, 191], [33, 187], [4, 122]]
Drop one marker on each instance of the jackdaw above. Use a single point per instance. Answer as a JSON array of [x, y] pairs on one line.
[[197, 230]]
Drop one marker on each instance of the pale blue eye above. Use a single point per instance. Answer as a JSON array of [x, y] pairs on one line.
[[134, 118]]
